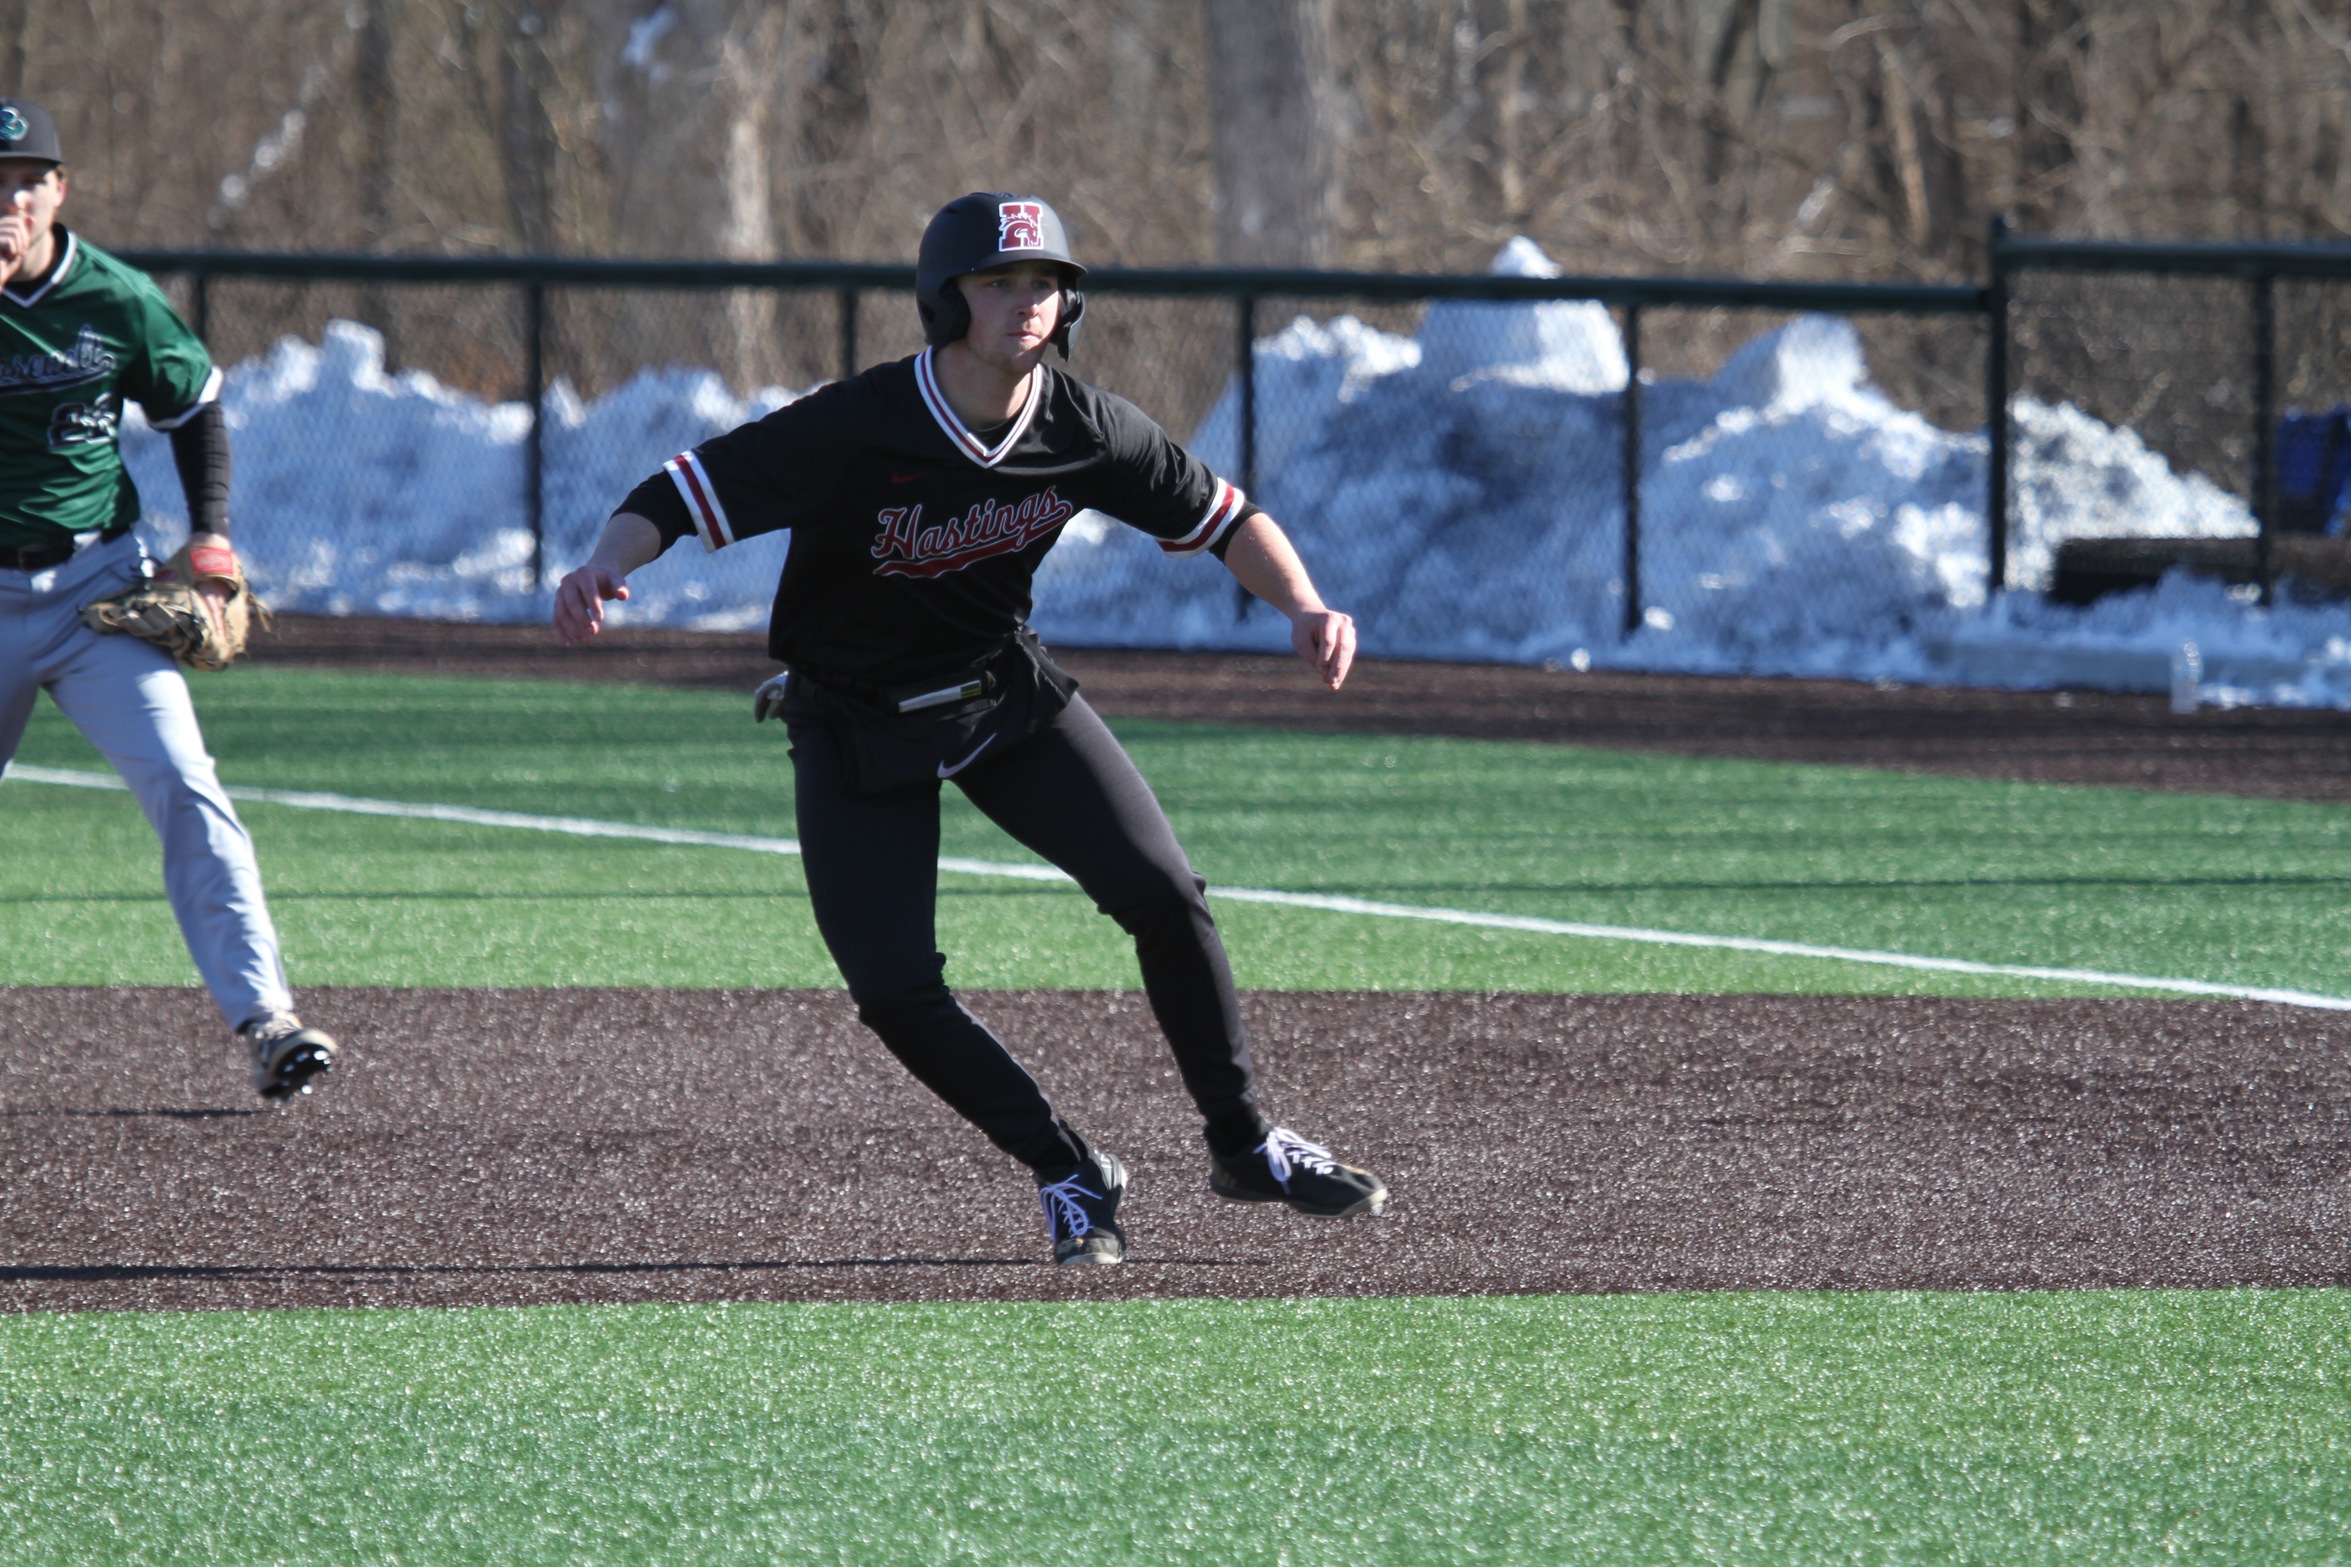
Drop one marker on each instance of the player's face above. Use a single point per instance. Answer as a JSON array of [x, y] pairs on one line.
[[1014, 310], [33, 190]]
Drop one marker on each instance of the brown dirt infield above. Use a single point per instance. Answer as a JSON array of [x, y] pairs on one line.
[[2081, 737], [510, 1147], [522, 1146]]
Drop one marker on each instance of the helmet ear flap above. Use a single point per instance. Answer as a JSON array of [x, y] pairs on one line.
[[949, 319], [1073, 310]]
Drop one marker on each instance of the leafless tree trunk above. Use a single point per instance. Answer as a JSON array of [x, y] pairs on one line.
[[1503, 43], [16, 28], [1272, 98], [379, 123], [2247, 195], [1821, 138], [379, 114], [700, 86], [526, 132], [2052, 60], [1734, 59], [696, 85]]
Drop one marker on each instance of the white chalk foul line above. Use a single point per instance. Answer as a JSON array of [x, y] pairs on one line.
[[582, 827], [306, 800]]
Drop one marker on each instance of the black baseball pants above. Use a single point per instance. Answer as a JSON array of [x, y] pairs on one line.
[[1070, 793]]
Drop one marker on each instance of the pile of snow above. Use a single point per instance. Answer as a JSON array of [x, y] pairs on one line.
[[1458, 490], [1461, 493], [362, 493]]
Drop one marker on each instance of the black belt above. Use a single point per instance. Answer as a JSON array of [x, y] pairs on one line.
[[940, 690], [40, 557]]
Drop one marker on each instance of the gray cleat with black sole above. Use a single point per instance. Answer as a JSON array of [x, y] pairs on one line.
[[287, 1055]]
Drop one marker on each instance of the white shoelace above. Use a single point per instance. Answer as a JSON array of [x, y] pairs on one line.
[[1062, 1211], [1285, 1149]]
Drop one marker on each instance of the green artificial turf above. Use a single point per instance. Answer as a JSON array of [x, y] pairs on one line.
[[2103, 1426], [2231, 890]]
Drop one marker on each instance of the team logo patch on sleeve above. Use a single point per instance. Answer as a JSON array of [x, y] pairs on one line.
[[1020, 225]]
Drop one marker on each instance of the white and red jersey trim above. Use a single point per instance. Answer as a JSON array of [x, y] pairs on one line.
[[965, 442], [1224, 508], [685, 470]]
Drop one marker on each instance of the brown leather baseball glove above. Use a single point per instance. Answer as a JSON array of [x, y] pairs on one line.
[[168, 609]]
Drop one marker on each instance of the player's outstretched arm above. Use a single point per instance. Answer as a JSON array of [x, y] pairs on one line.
[[1261, 558], [628, 541]]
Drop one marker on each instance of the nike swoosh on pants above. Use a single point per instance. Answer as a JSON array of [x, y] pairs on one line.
[[948, 772]]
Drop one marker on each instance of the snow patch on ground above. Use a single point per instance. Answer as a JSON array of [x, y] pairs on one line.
[[1457, 490]]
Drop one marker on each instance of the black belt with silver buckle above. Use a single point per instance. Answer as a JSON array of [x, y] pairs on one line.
[[40, 557]]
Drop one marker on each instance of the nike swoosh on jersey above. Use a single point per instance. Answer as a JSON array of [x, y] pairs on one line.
[[948, 772], [905, 478]]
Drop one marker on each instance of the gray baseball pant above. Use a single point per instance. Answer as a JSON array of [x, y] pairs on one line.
[[129, 700]]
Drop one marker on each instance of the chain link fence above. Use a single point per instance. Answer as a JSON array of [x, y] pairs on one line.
[[1861, 481], [1517, 466], [2227, 365]]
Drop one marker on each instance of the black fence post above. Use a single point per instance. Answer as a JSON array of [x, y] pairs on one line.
[[1996, 415], [2265, 418], [1245, 371], [535, 452], [1632, 469], [1246, 367], [848, 298], [200, 306]]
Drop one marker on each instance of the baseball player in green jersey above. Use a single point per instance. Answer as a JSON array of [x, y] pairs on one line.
[[81, 334]]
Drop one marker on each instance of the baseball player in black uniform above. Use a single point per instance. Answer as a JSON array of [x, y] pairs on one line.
[[921, 497]]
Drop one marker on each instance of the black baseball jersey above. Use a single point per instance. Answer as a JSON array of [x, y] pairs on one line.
[[915, 540]]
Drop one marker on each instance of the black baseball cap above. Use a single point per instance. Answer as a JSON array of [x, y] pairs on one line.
[[26, 131]]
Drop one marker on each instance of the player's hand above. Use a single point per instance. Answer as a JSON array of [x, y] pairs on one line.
[[579, 601], [1325, 638], [213, 593], [16, 237], [214, 596], [768, 701]]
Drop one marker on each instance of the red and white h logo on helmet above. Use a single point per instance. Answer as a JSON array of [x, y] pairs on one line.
[[1020, 225]]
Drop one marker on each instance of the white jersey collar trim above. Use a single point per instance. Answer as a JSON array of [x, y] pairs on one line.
[[73, 248], [957, 433]]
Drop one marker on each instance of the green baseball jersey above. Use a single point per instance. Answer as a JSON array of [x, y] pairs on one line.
[[74, 346]]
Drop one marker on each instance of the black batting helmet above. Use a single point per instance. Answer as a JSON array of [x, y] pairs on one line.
[[990, 228]]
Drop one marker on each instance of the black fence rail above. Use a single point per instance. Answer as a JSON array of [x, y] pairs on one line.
[[2191, 349]]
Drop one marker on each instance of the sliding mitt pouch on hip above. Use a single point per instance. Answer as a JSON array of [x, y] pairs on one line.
[[918, 734]]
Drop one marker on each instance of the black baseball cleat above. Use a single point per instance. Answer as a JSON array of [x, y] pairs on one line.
[[1081, 1209], [286, 1054], [1286, 1168]]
